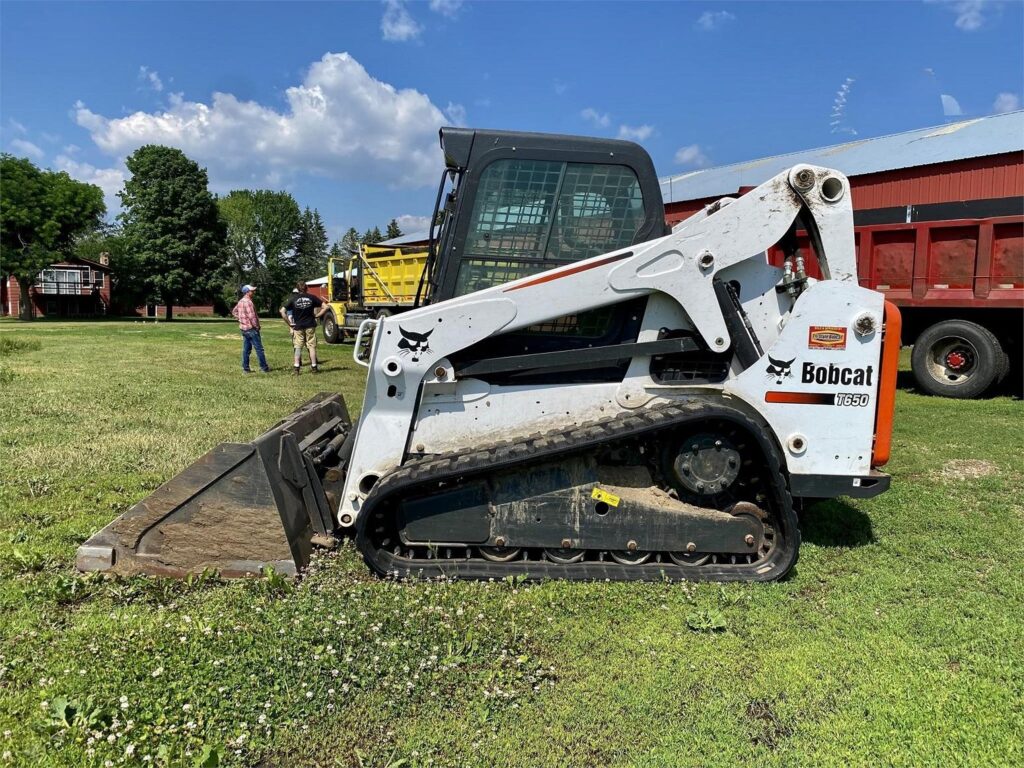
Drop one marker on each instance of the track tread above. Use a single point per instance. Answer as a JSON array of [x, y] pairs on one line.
[[505, 454]]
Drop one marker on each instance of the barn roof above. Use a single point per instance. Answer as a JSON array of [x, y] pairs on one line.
[[993, 135], [412, 237]]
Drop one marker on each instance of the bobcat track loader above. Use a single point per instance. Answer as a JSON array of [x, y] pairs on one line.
[[580, 393]]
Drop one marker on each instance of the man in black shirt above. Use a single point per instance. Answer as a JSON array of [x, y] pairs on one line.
[[301, 313]]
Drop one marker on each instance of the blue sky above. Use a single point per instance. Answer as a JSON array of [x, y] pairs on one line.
[[339, 103]]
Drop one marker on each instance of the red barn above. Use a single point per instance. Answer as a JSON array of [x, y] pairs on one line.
[[72, 287], [939, 222]]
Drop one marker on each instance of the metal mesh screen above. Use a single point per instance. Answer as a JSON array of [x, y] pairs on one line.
[[531, 211]]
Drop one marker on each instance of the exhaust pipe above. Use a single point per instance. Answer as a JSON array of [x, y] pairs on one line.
[[240, 508]]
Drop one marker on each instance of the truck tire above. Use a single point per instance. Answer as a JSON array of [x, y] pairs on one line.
[[332, 333], [958, 358]]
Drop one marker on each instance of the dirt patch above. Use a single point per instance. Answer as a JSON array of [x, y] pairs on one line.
[[218, 336], [967, 469], [769, 730]]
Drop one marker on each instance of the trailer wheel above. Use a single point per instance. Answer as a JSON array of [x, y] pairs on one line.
[[957, 358], [332, 334]]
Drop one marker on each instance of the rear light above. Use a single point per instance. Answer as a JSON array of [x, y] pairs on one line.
[[891, 325]]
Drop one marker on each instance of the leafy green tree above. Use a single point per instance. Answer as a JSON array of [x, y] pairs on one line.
[[41, 214], [311, 245], [171, 223], [263, 229], [393, 230], [128, 289], [350, 241]]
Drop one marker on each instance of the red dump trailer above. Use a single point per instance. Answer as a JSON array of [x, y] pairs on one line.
[[943, 239]]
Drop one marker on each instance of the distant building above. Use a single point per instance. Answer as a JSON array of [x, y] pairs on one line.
[[160, 311], [71, 287]]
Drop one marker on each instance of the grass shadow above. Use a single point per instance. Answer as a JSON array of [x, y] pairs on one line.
[[905, 381], [835, 523]]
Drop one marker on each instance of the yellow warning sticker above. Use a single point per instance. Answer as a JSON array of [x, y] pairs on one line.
[[608, 498]]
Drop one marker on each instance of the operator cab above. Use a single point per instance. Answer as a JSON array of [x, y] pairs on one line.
[[512, 204]]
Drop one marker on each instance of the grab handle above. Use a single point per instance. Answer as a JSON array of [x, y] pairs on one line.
[[367, 323]]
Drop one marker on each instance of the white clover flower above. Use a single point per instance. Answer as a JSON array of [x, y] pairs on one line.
[[186, 707], [157, 672], [129, 750]]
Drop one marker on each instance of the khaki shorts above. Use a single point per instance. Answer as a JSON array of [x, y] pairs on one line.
[[304, 337]]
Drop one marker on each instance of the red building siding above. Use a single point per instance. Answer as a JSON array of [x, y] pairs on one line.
[[976, 178], [88, 296]]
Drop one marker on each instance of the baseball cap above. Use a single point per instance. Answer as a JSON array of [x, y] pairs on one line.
[[246, 288]]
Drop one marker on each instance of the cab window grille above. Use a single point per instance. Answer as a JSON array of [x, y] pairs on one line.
[[533, 215]]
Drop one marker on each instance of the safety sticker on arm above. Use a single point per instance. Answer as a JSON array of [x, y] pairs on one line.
[[608, 498]]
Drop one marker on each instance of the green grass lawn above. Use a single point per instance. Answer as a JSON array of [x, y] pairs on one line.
[[898, 640]]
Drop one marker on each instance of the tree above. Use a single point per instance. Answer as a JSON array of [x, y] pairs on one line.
[[263, 229], [172, 225], [128, 286], [393, 230], [311, 245], [350, 241], [41, 213], [371, 236]]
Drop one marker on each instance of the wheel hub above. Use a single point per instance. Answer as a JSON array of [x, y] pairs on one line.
[[957, 360], [706, 464]]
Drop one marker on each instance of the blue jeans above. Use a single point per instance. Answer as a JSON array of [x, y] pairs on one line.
[[251, 340]]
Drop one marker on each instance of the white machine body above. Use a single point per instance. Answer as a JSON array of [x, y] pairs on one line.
[[815, 386]]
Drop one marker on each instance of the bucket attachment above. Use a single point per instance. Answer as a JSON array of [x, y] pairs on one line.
[[239, 508]]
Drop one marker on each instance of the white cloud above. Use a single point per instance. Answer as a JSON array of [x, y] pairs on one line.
[[837, 120], [600, 120], [714, 19], [635, 133], [339, 122], [396, 25], [410, 224], [22, 147], [971, 15], [151, 78], [16, 126], [449, 8], [691, 155], [110, 180], [559, 86], [950, 106], [456, 113], [1006, 102]]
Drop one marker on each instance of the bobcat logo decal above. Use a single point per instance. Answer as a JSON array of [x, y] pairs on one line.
[[413, 343], [780, 369]]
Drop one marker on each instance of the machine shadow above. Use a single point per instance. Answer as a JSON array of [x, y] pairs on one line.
[[835, 523]]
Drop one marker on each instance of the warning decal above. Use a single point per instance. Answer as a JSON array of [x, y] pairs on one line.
[[608, 498]]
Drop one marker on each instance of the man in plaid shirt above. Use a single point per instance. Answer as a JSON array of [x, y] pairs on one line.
[[249, 325]]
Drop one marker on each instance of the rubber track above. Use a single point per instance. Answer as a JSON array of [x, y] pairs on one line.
[[457, 466]]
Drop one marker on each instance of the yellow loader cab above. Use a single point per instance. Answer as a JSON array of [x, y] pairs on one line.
[[378, 281]]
